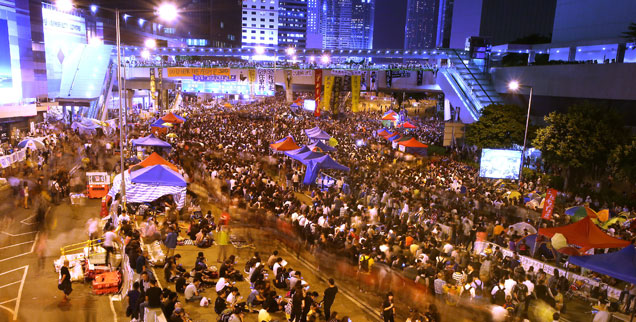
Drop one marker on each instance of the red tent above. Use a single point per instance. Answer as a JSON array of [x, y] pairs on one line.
[[171, 118], [287, 144], [586, 234], [388, 117], [155, 159], [413, 143], [407, 125]]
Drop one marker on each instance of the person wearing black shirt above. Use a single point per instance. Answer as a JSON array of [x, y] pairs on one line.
[[220, 304], [297, 304], [181, 283], [153, 298], [310, 299], [329, 297], [65, 281], [388, 310]]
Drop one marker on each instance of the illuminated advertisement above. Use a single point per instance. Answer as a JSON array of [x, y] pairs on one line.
[[190, 72], [6, 80], [64, 35], [214, 78]]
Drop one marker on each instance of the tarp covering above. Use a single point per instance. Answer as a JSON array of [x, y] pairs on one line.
[[286, 144], [620, 265], [158, 123], [318, 135], [389, 112], [312, 130], [305, 157], [394, 137], [150, 140], [389, 117], [155, 159], [387, 134], [407, 125], [297, 151], [315, 165], [172, 118], [320, 145], [158, 175], [383, 132], [585, 234], [138, 193], [413, 143]]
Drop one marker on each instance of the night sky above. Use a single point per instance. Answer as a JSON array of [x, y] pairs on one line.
[[390, 18]]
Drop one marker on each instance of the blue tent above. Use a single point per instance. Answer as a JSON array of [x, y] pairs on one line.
[[620, 265], [322, 146], [320, 135], [297, 151], [394, 137], [305, 157], [312, 130], [158, 123], [150, 140], [315, 165], [158, 175]]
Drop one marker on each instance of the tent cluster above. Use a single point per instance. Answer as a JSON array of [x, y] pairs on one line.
[[406, 143], [161, 125]]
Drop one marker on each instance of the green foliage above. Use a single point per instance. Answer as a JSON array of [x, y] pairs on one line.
[[500, 126], [436, 150], [630, 34], [623, 161], [582, 138]]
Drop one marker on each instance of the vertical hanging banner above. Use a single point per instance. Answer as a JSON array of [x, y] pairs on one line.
[[335, 97], [317, 89], [328, 91], [373, 81], [251, 75], [153, 87], [548, 204], [355, 93], [162, 100], [261, 81], [289, 94], [271, 83]]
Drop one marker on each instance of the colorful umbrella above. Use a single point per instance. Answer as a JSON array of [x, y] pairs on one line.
[[167, 124], [30, 143], [171, 135], [558, 241], [579, 212]]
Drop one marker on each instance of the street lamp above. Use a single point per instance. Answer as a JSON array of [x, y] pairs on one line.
[[324, 59], [514, 86], [290, 51], [259, 50], [150, 43], [166, 11]]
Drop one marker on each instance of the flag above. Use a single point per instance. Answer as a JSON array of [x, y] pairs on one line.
[[548, 205]]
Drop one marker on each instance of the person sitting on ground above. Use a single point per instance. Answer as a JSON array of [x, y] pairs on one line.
[[220, 304], [191, 292]]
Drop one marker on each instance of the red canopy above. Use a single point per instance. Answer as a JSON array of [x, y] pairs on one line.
[[171, 118], [586, 234], [407, 125], [286, 145], [155, 159], [413, 143], [389, 117]]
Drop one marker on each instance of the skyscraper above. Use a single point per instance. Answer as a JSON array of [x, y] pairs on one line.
[[362, 24], [347, 23], [292, 23], [444, 23], [260, 23], [421, 24], [314, 33]]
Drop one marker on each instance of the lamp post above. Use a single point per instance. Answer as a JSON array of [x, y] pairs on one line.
[[166, 11], [514, 86]]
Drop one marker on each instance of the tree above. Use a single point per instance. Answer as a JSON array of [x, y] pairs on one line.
[[623, 161], [581, 140], [500, 126], [630, 34]]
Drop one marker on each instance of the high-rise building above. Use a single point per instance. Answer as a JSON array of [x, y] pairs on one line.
[[362, 18], [292, 23], [444, 23], [314, 33], [421, 24], [503, 21], [225, 23], [260, 23], [347, 23]]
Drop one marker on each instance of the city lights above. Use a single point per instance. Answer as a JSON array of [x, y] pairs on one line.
[[324, 59], [167, 11], [259, 50], [93, 8], [290, 51], [64, 5], [145, 54], [513, 85], [150, 43]]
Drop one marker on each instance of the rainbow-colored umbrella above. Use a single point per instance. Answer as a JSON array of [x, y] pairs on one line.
[[579, 212]]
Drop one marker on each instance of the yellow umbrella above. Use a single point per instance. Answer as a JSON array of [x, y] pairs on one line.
[[333, 142], [167, 124], [513, 194], [171, 135], [558, 241], [603, 215]]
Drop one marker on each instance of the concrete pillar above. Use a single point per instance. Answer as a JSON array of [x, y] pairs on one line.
[[129, 97], [164, 99], [572, 53], [620, 53], [531, 56]]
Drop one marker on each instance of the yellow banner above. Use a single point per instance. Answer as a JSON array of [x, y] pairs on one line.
[[189, 72], [251, 74], [328, 89], [355, 93]]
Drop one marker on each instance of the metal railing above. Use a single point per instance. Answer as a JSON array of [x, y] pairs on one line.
[[473, 76]]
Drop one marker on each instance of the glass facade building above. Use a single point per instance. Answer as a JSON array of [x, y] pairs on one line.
[[292, 23]]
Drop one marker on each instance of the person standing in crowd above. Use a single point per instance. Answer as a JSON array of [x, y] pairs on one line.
[[171, 241], [329, 297], [223, 241], [110, 239], [388, 308]]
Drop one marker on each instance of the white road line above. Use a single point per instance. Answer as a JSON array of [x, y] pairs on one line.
[[6, 285], [17, 304], [16, 235], [27, 218], [13, 270], [18, 244], [7, 301], [16, 256], [112, 308]]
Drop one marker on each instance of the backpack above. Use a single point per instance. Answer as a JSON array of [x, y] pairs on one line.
[[280, 279], [466, 291], [225, 316], [499, 297], [479, 289], [364, 264]]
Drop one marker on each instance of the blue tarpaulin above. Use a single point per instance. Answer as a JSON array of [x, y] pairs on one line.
[[620, 265], [305, 157], [297, 151], [315, 165], [150, 140], [158, 175], [322, 146]]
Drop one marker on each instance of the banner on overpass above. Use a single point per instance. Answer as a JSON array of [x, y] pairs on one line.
[[303, 72], [328, 91], [191, 72], [355, 93]]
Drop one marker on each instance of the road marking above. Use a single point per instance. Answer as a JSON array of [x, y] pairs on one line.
[[18, 244], [27, 218], [6, 285], [16, 235], [366, 308], [112, 308], [16, 308]]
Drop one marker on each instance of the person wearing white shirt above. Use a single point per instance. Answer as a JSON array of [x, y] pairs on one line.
[[509, 283], [221, 284], [529, 285], [191, 292]]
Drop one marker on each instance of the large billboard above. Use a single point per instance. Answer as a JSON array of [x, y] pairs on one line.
[[500, 164], [64, 35]]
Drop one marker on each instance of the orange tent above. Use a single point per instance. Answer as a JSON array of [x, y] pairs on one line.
[[388, 117], [171, 118], [155, 159], [586, 234], [413, 143], [287, 144], [157, 131], [407, 125]]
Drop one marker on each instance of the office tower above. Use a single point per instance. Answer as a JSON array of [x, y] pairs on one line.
[[421, 24], [362, 18], [260, 23], [314, 31], [292, 23], [347, 24]]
